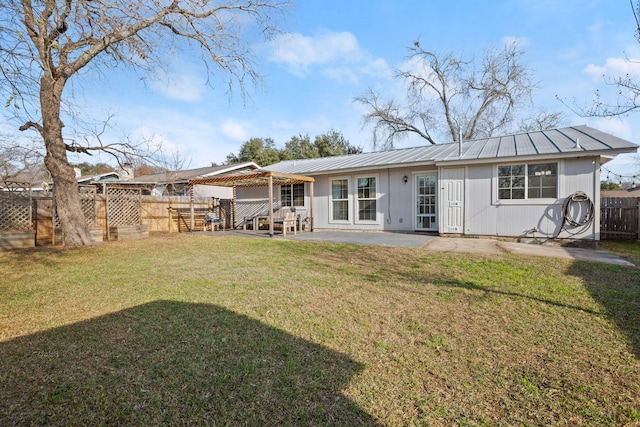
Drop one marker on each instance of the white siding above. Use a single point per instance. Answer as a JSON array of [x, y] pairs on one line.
[[487, 216], [480, 213], [212, 191], [484, 214], [394, 204]]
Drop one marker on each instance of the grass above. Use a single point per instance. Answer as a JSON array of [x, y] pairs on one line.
[[201, 330]]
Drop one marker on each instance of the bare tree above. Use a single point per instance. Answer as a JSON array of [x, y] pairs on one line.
[[447, 95], [626, 98], [45, 43], [19, 162], [543, 119]]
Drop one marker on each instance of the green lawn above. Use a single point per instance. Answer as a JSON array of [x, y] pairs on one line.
[[220, 330]]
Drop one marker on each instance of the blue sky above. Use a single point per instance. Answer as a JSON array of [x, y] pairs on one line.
[[334, 50]]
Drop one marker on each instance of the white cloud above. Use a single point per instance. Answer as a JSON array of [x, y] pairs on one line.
[[186, 88], [338, 55], [620, 127], [234, 130], [614, 67]]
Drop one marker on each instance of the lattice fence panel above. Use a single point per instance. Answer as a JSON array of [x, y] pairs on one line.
[[124, 206], [87, 203], [16, 211]]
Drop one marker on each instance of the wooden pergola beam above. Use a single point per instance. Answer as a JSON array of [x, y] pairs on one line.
[[258, 178]]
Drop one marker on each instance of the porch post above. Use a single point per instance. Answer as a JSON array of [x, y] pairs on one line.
[[311, 205], [270, 205], [193, 220]]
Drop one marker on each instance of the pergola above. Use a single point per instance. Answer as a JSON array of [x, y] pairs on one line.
[[259, 178]]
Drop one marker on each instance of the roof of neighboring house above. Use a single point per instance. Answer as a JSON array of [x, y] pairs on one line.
[[186, 175], [570, 141], [102, 177]]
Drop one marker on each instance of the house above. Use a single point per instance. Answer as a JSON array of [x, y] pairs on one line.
[[177, 183], [544, 184], [98, 178]]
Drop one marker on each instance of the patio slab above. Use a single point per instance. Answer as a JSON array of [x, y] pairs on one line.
[[376, 238], [461, 245], [445, 244]]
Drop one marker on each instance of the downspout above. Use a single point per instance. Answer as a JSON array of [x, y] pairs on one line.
[[388, 196], [312, 196]]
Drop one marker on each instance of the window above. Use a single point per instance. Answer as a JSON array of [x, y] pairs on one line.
[[367, 198], [536, 181], [292, 195], [543, 180], [511, 181], [340, 199]]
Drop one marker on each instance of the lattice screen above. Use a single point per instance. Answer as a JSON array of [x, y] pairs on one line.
[[88, 204], [123, 206], [16, 212]]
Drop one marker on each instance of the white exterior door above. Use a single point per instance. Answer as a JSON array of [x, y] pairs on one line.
[[426, 202], [453, 200]]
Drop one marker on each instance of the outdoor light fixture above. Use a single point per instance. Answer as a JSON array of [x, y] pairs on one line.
[[405, 179]]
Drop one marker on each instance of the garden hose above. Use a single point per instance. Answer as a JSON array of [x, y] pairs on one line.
[[568, 220]]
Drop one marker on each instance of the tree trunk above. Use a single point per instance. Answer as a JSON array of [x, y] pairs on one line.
[[65, 186]]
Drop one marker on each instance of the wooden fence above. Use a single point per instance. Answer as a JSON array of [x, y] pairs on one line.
[[619, 218], [153, 212]]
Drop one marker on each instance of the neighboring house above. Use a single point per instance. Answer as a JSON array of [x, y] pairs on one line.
[[510, 186], [177, 183]]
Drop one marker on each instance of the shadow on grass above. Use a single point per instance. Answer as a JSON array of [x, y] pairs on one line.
[[474, 287], [444, 281], [172, 363], [617, 289]]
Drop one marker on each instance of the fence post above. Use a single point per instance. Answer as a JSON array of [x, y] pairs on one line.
[[638, 216]]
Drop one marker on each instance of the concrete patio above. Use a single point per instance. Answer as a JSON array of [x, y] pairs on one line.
[[445, 244]]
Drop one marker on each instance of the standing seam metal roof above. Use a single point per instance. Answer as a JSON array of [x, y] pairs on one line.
[[581, 140]]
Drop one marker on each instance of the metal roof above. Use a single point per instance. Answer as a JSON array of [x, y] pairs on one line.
[[577, 141]]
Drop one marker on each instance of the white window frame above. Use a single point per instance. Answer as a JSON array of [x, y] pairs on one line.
[[356, 210], [331, 200], [414, 191], [526, 200]]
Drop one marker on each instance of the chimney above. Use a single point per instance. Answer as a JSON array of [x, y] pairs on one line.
[[126, 172]]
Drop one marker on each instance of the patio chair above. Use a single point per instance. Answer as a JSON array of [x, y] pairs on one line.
[[302, 219], [211, 220], [287, 223]]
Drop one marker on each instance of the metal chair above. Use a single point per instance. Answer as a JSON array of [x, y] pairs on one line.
[[212, 220]]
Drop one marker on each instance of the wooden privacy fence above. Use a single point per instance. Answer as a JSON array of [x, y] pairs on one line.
[[619, 218]]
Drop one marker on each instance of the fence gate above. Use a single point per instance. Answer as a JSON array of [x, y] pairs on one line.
[[16, 211], [619, 218]]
